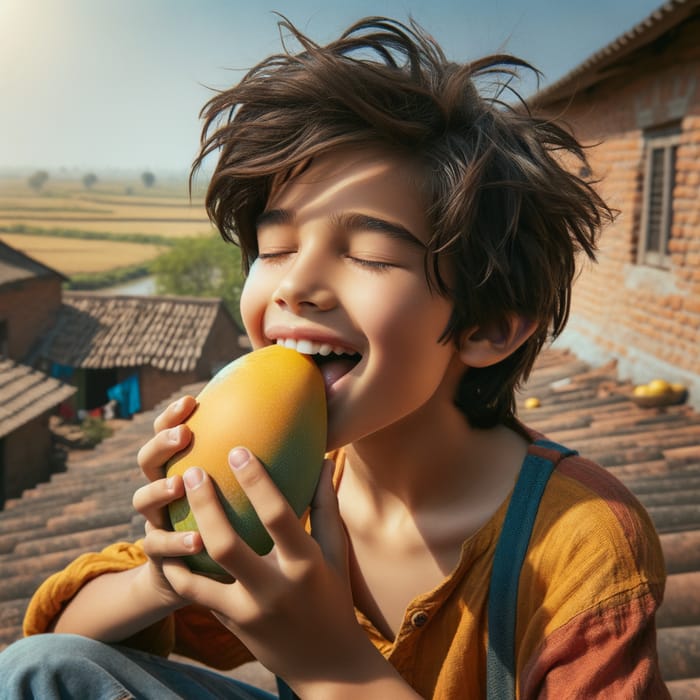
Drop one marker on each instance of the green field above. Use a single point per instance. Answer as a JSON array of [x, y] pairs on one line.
[[113, 225]]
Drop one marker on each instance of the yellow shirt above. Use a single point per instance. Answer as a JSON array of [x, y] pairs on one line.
[[592, 579]]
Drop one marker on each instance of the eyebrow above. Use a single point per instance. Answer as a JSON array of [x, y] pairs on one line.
[[270, 217], [352, 221]]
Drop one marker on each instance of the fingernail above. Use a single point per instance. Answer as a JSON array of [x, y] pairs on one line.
[[238, 457], [174, 434], [193, 477], [188, 540], [170, 484], [177, 406]]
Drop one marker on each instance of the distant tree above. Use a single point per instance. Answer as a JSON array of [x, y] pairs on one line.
[[148, 179], [89, 179], [37, 180], [203, 266]]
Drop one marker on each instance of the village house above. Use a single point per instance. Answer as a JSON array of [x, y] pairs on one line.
[[30, 297], [80, 352], [136, 350], [637, 102]]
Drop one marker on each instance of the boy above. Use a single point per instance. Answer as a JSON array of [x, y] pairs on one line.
[[418, 239]]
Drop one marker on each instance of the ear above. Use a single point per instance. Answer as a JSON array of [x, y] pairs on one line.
[[486, 345]]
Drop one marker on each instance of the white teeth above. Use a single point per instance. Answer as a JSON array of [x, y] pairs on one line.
[[310, 347]]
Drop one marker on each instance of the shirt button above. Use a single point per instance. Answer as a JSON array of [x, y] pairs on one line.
[[418, 619]]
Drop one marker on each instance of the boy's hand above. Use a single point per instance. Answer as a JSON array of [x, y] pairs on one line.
[[292, 608], [152, 500], [170, 437]]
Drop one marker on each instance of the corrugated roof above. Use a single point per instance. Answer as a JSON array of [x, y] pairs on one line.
[[599, 65], [655, 451], [16, 266], [99, 331], [26, 393]]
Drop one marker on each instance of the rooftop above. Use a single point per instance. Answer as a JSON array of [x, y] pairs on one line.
[[96, 331], [26, 393], [654, 451], [16, 266], [611, 58]]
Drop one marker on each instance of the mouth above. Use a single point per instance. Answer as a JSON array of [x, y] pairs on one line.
[[334, 361]]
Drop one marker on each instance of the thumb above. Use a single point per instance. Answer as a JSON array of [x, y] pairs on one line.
[[326, 524]]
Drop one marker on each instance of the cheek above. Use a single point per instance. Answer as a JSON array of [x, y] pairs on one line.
[[253, 304], [405, 317]]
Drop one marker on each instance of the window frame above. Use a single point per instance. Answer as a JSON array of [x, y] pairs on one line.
[[667, 140]]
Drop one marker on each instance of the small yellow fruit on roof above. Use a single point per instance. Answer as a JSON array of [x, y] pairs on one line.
[[657, 387], [642, 390], [532, 402]]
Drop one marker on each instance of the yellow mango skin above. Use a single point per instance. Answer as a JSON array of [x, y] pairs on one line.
[[273, 402]]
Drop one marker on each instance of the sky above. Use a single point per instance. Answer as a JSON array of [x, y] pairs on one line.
[[117, 85]]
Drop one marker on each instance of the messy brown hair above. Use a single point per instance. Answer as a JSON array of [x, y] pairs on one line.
[[507, 215]]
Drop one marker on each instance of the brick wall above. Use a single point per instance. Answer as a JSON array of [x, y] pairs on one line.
[[646, 317], [26, 456], [156, 384], [29, 308], [221, 347]]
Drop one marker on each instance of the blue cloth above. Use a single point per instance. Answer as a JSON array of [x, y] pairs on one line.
[[127, 394], [71, 667], [508, 561], [61, 371]]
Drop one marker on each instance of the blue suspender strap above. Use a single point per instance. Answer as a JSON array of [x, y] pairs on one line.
[[284, 692], [508, 560]]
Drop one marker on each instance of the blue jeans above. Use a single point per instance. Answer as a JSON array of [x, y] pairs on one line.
[[67, 666]]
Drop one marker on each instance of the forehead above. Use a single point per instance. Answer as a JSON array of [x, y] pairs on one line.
[[371, 182]]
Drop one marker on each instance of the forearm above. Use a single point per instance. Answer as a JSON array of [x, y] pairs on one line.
[[114, 606]]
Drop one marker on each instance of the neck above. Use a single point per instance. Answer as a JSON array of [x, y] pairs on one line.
[[414, 459], [432, 464]]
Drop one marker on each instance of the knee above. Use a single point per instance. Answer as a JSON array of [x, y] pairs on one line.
[[42, 655]]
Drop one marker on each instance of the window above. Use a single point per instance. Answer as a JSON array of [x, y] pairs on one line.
[[659, 179]]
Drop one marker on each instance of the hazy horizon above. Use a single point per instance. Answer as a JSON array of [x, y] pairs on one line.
[[115, 86]]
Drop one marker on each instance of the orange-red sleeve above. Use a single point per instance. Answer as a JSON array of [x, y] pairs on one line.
[[590, 587]]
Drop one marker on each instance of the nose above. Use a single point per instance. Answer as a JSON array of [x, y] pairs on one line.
[[306, 285]]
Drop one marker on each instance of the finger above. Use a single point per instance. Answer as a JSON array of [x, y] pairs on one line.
[[153, 456], [273, 509], [151, 500], [208, 592], [161, 543], [221, 541], [177, 412], [326, 524]]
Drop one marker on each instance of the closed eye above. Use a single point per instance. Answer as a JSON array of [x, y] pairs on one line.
[[276, 255], [377, 265]]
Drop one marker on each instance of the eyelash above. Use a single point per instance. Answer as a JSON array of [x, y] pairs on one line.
[[375, 265], [273, 257]]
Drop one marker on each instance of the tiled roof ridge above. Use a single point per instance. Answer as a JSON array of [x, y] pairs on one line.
[[144, 298], [103, 331], [643, 32], [26, 393]]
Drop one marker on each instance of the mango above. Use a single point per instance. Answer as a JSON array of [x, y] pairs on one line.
[[273, 402], [658, 387]]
